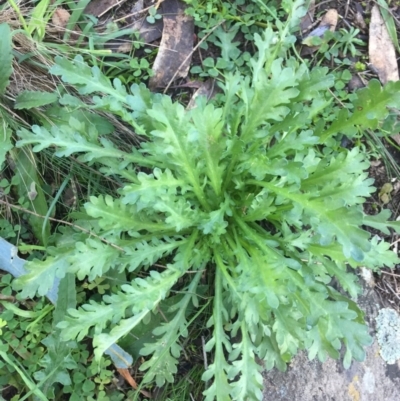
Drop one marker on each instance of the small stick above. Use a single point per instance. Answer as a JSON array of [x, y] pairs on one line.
[[395, 283], [347, 8], [391, 274], [203, 346], [393, 291]]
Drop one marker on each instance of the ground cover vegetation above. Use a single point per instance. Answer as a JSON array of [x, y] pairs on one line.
[[239, 221]]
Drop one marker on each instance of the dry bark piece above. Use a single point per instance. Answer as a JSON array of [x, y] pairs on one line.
[[100, 7], [382, 54], [175, 53], [148, 32], [328, 21], [137, 20]]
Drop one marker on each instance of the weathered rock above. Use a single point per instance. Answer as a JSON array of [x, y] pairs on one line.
[[370, 380]]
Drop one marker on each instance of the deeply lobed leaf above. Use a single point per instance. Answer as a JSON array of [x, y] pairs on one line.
[[250, 194]]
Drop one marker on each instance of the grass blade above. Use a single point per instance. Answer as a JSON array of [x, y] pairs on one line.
[[5, 56]]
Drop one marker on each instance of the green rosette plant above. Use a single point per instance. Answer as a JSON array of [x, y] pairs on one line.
[[250, 198]]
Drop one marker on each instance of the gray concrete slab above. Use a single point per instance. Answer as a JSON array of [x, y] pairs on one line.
[[370, 380]]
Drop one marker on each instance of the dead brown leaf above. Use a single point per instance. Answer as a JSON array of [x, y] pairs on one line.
[[127, 376], [359, 19], [382, 54], [308, 19], [206, 88], [174, 56], [355, 83], [60, 21], [328, 21], [60, 18], [396, 138]]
